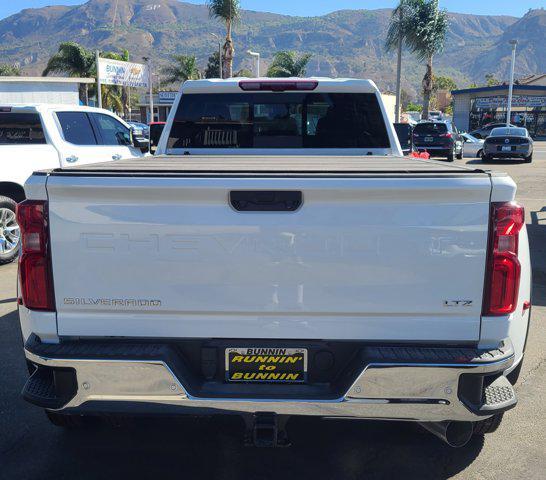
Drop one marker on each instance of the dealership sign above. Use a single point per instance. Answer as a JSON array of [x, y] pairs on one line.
[[530, 101], [167, 97], [125, 74]]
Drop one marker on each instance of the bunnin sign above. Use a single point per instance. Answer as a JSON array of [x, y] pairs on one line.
[[125, 74], [530, 101]]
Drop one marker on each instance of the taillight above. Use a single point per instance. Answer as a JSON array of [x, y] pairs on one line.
[[446, 135], [277, 85], [35, 262], [503, 269]]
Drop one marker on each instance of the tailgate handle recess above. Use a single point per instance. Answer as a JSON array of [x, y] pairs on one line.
[[265, 200]]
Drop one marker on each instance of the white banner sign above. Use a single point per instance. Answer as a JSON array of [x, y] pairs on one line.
[[126, 74], [530, 101]]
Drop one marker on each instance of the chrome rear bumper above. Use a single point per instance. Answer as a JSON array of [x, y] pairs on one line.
[[425, 392]]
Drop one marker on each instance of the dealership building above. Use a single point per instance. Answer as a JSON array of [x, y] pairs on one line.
[[474, 107], [57, 90]]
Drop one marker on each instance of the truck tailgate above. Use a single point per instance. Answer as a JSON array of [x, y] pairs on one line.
[[378, 257]]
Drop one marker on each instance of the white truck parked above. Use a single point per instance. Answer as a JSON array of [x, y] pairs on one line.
[[279, 257], [35, 137]]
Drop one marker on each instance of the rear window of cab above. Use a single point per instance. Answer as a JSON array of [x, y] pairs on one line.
[[21, 129], [279, 120]]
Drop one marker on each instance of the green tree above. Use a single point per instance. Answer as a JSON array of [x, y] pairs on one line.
[[244, 72], [184, 68], [7, 70], [414, 107], [212, 70], [228, 11], [73, 60], [287, 64], [422, 27], [444, 83]]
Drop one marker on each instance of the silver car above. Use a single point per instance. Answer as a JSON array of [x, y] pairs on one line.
[[508, 142]]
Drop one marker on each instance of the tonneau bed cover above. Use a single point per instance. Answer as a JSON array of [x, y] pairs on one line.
[[276, 165]]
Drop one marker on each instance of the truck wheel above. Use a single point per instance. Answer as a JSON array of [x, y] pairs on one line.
[[489, 425], [10, 234], [65, 420]]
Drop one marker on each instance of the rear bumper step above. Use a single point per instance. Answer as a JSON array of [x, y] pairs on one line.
[[391, 382]]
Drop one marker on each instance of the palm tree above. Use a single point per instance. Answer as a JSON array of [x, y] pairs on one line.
[[74, 60], [423, 27], [184, 68], [7, 70], [287, 64], [228, 11]]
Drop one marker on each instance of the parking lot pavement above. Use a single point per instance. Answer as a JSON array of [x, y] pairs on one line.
[[321, 449]]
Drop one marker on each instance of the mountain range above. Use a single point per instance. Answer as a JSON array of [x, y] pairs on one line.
[[343, 43]]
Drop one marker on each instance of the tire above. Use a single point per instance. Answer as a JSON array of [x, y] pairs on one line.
[[64, 420], [528, 159], [479, 153], [489, 425], [10, 234], [450, 157], [459, 156], [486, 158]]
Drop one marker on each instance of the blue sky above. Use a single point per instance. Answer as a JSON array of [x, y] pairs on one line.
[[319, 7]]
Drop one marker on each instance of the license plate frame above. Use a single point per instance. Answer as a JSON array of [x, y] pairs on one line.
[[266, 365], [506, 148], [429, 139]]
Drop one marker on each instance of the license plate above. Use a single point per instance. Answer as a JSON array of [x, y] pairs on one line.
[[506, 149], [271, 365], [429, 139]]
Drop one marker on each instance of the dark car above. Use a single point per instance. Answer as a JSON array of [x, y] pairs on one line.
[[404, 132], [485, 130], [508, 142], [156, 129], [439, 139]]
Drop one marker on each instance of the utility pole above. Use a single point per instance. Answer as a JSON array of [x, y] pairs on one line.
[[219, 54], [256, 57], [148, 60], [399, 74], [99, 90], [511, 85]]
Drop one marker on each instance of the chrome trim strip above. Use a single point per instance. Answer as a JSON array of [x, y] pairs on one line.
[[416, 392]]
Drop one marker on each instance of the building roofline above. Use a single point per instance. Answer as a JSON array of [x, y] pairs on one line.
[[47, 79], [496, 88]]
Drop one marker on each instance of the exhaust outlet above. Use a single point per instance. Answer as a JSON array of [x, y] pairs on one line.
[[455, 434]]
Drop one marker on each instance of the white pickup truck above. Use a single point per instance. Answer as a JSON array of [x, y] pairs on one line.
[[35, 137], [279, 257]]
